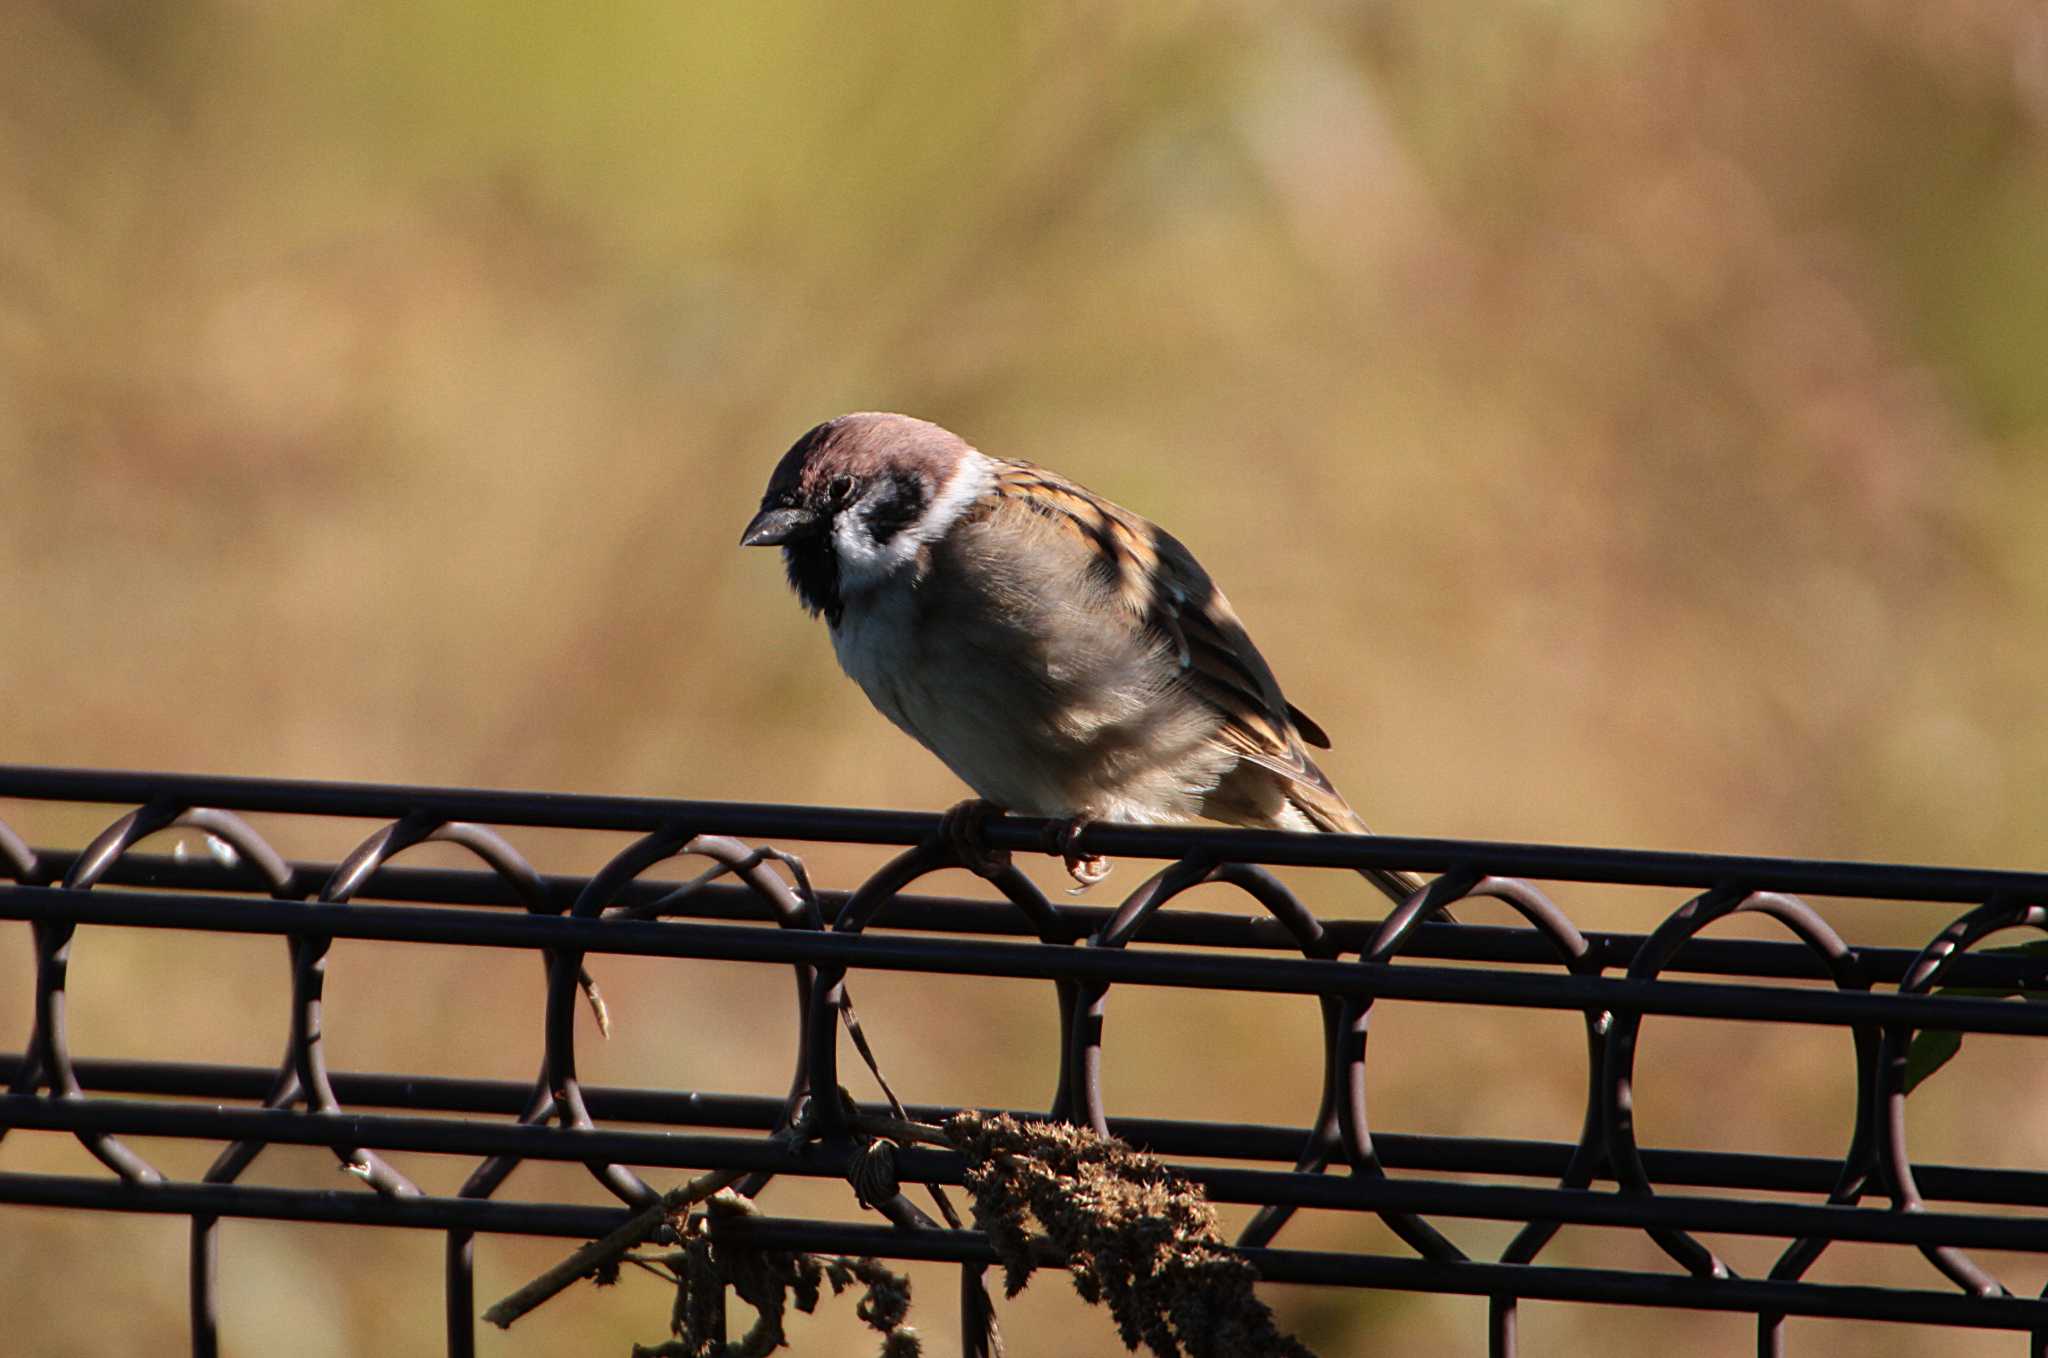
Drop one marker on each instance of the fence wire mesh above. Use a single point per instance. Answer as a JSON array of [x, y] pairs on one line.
[[754, 905]]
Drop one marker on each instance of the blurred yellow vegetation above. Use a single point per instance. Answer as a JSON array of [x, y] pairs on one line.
[[1618, 423]]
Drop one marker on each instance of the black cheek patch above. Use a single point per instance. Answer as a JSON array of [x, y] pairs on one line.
[[900, 503]]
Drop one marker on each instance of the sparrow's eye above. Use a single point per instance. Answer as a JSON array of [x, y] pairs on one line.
[[841, 490]]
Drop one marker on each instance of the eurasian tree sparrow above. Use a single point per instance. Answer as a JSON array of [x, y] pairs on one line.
[[1064, 657]]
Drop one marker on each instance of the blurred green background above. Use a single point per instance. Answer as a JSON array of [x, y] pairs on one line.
[[1618, 422]]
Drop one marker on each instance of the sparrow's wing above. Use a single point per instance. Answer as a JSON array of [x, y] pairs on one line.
[[1165, 591]]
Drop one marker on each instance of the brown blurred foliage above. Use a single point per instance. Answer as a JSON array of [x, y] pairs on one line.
[[1617, 422]]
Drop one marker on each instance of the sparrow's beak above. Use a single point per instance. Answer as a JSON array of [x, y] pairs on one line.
[[773, 527]]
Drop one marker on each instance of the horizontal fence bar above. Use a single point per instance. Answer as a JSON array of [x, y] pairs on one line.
[[1259, 975], [1536, 1282], [1877, 881], [1470, 942], [1528, 1281], [335, 1208], [1209, 1140], [922, 1165]]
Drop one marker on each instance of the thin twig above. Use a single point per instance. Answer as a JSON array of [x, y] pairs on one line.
[[599, 1254], [901, 1129]]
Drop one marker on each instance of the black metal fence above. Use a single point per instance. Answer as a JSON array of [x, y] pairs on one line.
[[767, 913]]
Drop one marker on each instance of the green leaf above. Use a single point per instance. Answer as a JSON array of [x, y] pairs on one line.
[[1930, 1050]]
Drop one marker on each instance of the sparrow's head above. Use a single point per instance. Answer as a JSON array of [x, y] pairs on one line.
[[855, 499]]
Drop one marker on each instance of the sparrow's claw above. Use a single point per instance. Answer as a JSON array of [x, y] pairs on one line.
[[960, 827], [1085, 868]]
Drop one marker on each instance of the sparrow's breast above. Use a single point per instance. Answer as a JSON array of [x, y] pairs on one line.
[[1031, 707], [946, 682]]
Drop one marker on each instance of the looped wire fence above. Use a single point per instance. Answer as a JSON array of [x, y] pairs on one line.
[[769, 914]]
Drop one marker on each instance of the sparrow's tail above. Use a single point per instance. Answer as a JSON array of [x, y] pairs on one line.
[[1332, 815], [1398, 885]]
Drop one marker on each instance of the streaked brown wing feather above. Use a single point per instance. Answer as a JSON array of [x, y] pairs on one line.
[[1166, 591]]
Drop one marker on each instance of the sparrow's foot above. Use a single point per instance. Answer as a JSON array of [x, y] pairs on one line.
[[960, 827], [1085, 868]]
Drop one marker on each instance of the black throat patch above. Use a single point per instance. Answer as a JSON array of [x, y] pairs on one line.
[[814, 573]]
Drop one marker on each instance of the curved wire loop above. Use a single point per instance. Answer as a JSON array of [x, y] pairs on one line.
[[49, 1048], [302, 1075], [1894, 1161], [1859, 1160], [828, 982], [1089, 1005], [793, 908], [1590, 1153], [830, 1006], [1353, 1125], [17, 859], [560, 1092], [564, 1091]]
